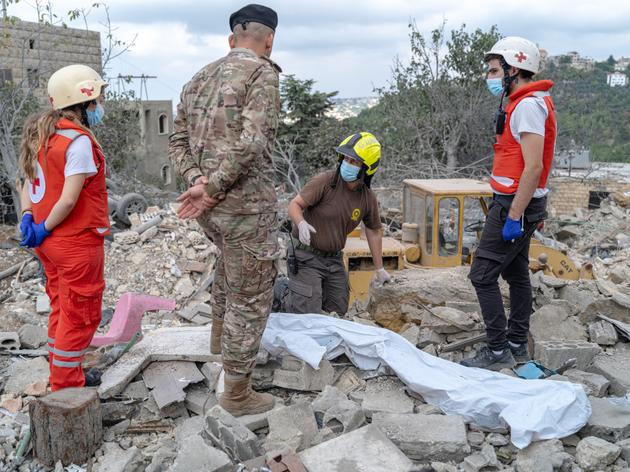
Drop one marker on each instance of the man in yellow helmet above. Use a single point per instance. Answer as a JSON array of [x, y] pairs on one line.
[[326, 210]]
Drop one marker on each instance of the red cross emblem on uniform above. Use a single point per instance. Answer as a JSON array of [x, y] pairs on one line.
[[35, 184], [520, 57], [90, 91]]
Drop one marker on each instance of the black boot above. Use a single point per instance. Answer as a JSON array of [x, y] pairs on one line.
[[486, 359]]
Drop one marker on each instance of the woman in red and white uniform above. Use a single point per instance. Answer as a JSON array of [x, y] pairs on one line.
[[65, 217]]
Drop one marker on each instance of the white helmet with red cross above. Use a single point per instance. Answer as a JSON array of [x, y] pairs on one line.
[[517, 52], [74, 84]]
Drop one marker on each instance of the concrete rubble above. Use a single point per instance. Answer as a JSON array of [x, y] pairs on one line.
[[160, 400]]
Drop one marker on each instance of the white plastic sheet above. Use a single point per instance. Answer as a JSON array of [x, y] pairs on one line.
[[533, 409]]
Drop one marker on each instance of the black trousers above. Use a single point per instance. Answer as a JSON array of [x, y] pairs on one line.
[[495, 257]]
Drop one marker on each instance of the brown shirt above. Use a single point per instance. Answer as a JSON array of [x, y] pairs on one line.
[[335, 212]]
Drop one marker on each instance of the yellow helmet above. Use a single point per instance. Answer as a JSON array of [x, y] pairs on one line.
[[364, 147], [74, 84]]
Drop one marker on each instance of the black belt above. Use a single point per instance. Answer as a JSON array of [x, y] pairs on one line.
[[317, 252]]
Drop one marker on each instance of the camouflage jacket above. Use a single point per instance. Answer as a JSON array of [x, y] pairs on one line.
[[225, 129]]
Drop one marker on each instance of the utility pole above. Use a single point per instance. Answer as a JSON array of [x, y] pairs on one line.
[[122, 79]]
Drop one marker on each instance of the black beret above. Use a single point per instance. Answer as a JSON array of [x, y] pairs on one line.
[[256, 14]]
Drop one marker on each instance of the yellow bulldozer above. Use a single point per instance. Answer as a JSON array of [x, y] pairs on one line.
[[442, 224]]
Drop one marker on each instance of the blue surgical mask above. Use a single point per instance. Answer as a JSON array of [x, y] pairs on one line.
[[96, 116], [495, 86], [349, 173]]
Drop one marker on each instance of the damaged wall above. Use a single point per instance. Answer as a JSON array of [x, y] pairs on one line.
[[567, 194]]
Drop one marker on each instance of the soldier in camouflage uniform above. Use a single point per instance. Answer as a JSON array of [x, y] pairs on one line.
[[224, 136]]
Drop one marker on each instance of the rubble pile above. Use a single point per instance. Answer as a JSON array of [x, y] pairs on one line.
[[159, 401]]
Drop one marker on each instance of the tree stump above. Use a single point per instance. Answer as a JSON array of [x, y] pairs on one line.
[[66, 425]]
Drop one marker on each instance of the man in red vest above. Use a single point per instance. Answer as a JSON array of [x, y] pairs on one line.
[[523, 153]]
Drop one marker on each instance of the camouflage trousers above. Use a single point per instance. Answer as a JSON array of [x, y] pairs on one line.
[[242, 292]]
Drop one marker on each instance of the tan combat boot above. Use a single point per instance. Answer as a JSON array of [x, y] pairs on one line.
[[239, 398], [215, 336]]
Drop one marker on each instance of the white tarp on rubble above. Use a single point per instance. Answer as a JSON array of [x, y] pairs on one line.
[[533, 409]]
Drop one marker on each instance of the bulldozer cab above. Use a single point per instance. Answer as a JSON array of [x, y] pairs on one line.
[[443, 218]]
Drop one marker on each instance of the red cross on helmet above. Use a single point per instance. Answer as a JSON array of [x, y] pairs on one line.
[[517, 52]]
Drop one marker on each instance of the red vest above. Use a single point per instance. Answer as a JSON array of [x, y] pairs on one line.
[[508, 163], [90, 210]]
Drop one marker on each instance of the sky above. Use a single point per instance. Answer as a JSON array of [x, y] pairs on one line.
[[345, 46]]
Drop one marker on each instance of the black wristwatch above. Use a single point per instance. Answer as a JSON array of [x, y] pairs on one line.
[[191, 181]]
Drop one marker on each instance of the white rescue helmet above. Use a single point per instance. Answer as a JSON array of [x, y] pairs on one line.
[[74, 84], [517, 52]]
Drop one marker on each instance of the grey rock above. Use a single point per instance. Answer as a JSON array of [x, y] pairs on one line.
[[425, 437], [228, 434], [609, 420], [299, 375], [594, 384], [32, 336], [596, 454], [196, 454], [603, 333], [364, 449], [386, 396], [616, 369], [538, 456], [24, 373], [299, 416]]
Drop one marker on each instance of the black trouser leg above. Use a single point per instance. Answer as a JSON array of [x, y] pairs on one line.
[[517, 276]]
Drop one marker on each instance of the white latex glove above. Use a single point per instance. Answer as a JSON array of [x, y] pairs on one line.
[[381, 276], [305, 230]]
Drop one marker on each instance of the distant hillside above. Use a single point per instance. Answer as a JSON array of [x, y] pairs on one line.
[[590, 113], [348, 107]]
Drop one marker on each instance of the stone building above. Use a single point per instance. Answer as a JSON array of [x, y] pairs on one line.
[[31, 52], [156, 123]]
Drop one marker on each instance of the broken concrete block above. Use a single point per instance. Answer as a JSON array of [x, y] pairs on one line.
[[117, 459], [199, 399], [168, 380], [487, 457], [476, 438], [616, 369], [301, 376], [386, 396], [211, 371], [553, 354], [610, 420], [596, 454], [446, 320], [42, 304], [9, 340], [625, 449], [428, 336], [25, 373], [334, 410], [411, 334], [425, 437], [165, 344], [229, 435], [556, 322], [260, 420], [364, 449], [149, 234], [299, 416], [126, 237], [539, 456], [394, 305], [32, 336], [349, 381], [594, 384], [196, 454], [603, 333], [136, 391], [188, 428]]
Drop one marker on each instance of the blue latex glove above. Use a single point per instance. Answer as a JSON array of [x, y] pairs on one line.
[[40, 232], [512, 229], [26, 228]]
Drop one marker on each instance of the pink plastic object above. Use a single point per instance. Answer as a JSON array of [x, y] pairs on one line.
[[127, 319]]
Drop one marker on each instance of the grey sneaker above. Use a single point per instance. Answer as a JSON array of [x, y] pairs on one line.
[[520, 353], [486, 359]]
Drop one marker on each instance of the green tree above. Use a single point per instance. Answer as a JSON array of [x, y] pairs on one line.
[[436, 111], [302, 120]]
